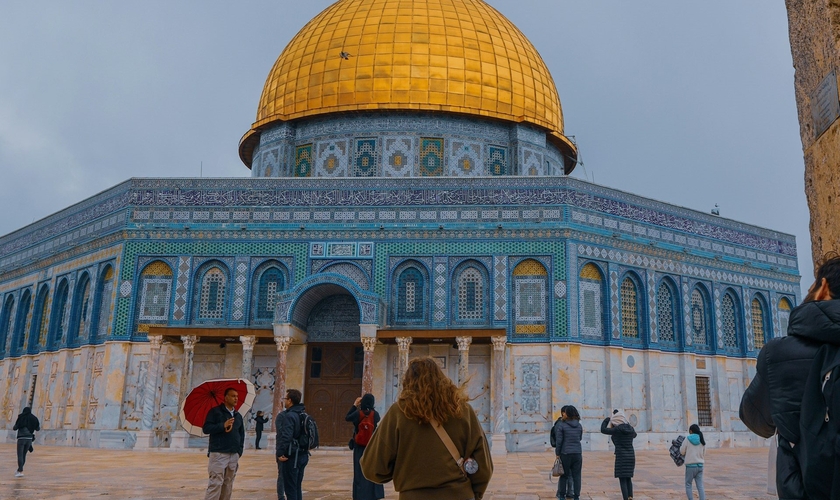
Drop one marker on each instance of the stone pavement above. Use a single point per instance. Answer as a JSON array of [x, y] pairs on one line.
[[76, 473]]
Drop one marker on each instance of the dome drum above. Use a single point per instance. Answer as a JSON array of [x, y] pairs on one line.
[[404, 144]]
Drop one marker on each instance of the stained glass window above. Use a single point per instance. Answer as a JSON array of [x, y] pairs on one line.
[[729, 322], [212, 302], [758, 323], [470, 294], [629, 309], [665, 314], [156, 286], [590, 299], [699, 325], [271, 284]]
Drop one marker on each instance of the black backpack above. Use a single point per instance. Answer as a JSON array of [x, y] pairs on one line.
[[819, 426], [551, 439], [307, 437]]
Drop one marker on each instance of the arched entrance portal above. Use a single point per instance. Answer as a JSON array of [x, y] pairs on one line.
[[334, 363]]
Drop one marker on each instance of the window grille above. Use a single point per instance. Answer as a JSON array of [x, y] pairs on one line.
[[212, 305], [106, 299], [271, 282], [758, 323], [629, 310], [530, 297], [20, 319], [42, 318], [665, 313], [729, 321], [590, 301], [154, 304], [704, 402], [6, 322], [699, 327], [409, 296], [784, 316], [410, 291], [470, 295]]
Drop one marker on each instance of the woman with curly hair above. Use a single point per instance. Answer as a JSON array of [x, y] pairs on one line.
[[406, 448]]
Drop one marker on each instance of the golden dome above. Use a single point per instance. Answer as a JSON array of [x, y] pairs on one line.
[[459, 56]]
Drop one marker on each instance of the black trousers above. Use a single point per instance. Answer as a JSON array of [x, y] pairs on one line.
[[22, 449], [572, 465], [626, 487], [292, 471], [259, 436]]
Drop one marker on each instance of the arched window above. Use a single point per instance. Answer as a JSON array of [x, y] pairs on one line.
[[759, 322], [700, 321], [211, 304], [58, 321], [20, 322], [784, 316], [38, 325], [79, 316], [411, 287], [6, 323], [156, 289], [269, 285], [666, 313], [530, 301], [729, 322], [591, 301], [630, 310], [105, 303], [470, 293]]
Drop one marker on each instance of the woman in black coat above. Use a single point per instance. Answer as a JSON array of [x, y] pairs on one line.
[[623, 435], [362, 488]]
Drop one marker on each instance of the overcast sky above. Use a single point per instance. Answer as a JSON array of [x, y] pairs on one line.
[[690, 103]]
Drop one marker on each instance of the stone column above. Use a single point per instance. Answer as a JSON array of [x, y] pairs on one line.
[[463, 359], [404, 343], [180, 438], [368, 343], [280, 373], [248, 343], [145, 436], [497, 392]]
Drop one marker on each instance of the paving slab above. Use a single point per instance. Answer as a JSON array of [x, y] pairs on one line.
[[65, 473]]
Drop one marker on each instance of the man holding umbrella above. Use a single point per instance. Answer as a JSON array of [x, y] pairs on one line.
[[227, 439]]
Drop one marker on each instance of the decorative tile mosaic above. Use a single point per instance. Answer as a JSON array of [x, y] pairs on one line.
[[431, 157], [653, 319], [440, 290], [464, 159], [366, 158], [500, 291], [497, 162], [303, 161], [332, 160], [398, 157], [350, 271], [239, 289], [179, 312], [614, 304]]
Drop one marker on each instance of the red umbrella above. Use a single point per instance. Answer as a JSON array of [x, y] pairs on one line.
[[210, 394]]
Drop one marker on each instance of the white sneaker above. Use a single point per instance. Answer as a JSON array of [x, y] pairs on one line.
[[18, 474]]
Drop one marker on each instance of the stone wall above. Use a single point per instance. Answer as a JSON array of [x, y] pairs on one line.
[[814, 30]]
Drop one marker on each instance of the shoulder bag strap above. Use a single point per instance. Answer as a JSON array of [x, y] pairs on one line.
[[447, 441]]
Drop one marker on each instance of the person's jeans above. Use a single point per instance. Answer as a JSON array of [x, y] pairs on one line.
[[22, 449], [694, 474], [293, 475], [572, 465]]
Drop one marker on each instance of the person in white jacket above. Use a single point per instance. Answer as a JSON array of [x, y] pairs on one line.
[[694, 451]]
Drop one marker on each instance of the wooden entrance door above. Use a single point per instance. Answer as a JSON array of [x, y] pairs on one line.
[[333, 382]]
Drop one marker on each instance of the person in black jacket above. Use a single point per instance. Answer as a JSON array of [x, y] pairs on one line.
[[25, 425], [227, 439], [623, 435], [291, 459], [771, 403], [568, 434], [258, 430], [362, 488]]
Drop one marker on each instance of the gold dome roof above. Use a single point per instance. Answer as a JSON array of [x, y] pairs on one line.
[[459, 56]]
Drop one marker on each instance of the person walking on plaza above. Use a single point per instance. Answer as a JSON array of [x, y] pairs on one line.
[[694, 451], [26, 425], [772, 402], [291, 459], [364, 419], [258, 430], [226, 429], [568, 434], [623, 434], [407, 449]]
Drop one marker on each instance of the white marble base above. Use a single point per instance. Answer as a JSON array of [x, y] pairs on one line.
[[498, 445], [180, 440], [145, 440]]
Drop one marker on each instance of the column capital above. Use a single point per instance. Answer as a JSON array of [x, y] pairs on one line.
[[499, 342], [248, 342], [189, 341], [403, 343], [463, 343], [282, 343], [368, 343], [155, 341]]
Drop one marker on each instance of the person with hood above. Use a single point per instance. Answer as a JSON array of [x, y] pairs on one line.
[[772, 402], [291, 459], [362, 488], [568, 434], [623, 435], [694, 451], [408, 450], [26, 425]]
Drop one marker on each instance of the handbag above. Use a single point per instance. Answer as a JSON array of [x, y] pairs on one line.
[[557, 470], [468, 466]]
